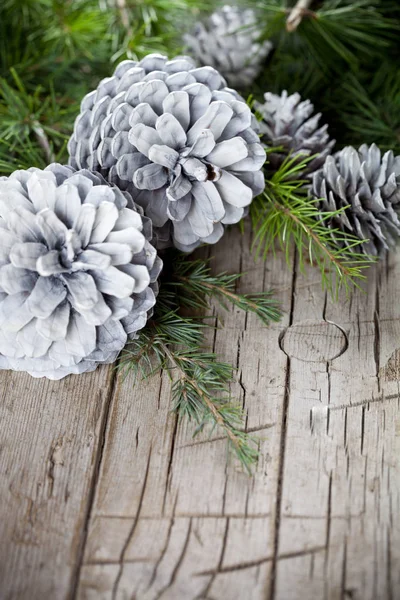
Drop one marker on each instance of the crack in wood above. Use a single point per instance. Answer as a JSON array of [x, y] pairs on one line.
[[76, 572], [178, 564], [344, 569], [256, 563], [390, 594], [132, 530], [214, 573], [55, 458], [363, 408], [188, 515], [169, 467], [285, 409], [377, 332], [165, 547], [373, 400], [222, 438]]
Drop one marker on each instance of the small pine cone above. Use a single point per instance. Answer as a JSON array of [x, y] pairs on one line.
[[290, 124], [228, 41], [369, 185], [77, 273], [183, 147]]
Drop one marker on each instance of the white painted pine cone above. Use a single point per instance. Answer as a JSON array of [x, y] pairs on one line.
[[77, 272], [368, 184], [289, 123], [179, 141], [228, 41]]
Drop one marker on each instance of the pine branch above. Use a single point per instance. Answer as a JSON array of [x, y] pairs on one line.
[[124, 14], [190, 389], [337, 35], [370, 110], [285, 212], [30, 121], [175, 343], [196, 286], [200, 390]]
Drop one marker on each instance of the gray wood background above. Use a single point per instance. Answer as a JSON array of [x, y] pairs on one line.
[[105, 496]]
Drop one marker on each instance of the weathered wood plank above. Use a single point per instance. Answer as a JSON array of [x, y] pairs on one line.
[[50, 440], [209, 523], [108, 497], [338, 534]]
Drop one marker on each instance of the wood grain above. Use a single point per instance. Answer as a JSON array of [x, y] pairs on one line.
[[106, 496], [50, 439]]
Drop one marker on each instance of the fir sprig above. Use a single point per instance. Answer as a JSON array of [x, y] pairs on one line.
[[200, 388], [176, 344], [286, 213], [195, 284]]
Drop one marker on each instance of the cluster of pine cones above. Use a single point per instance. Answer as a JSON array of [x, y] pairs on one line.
[[361, 186], [163, 154]]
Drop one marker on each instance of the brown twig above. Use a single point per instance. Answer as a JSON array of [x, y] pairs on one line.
[[43, 141], [124, 14], [296, 14]]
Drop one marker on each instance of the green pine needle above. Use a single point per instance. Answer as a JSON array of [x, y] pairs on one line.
[[285, 212], [195, 284]]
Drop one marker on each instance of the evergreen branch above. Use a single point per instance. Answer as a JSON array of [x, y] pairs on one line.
[[195, 285], [30, 122], [373, 110], [124, 14], [189, 389], [175, 343], [285, 212], [200, 390]]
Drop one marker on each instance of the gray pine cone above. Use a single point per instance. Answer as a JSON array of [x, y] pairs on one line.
[[369, 184], [77, 273], [228, 41], [290, 123], [178, 140]]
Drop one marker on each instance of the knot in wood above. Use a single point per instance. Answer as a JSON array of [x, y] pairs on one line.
[[314, 341]]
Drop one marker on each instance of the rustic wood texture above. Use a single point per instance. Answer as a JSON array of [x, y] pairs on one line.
[[104, 495]]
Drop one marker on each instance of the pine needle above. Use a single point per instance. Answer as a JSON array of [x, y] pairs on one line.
[[286, 213], [196, 285]]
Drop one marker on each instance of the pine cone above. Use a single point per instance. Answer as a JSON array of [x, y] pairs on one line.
[[289, 123], [370, 186], [228, 41], [77, 274], [182, 146]]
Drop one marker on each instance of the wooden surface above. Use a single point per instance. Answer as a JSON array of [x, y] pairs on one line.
[[105, 496]]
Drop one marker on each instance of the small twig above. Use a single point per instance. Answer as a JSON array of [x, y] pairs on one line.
[[43, 141], [124, 14], [296, 15]]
